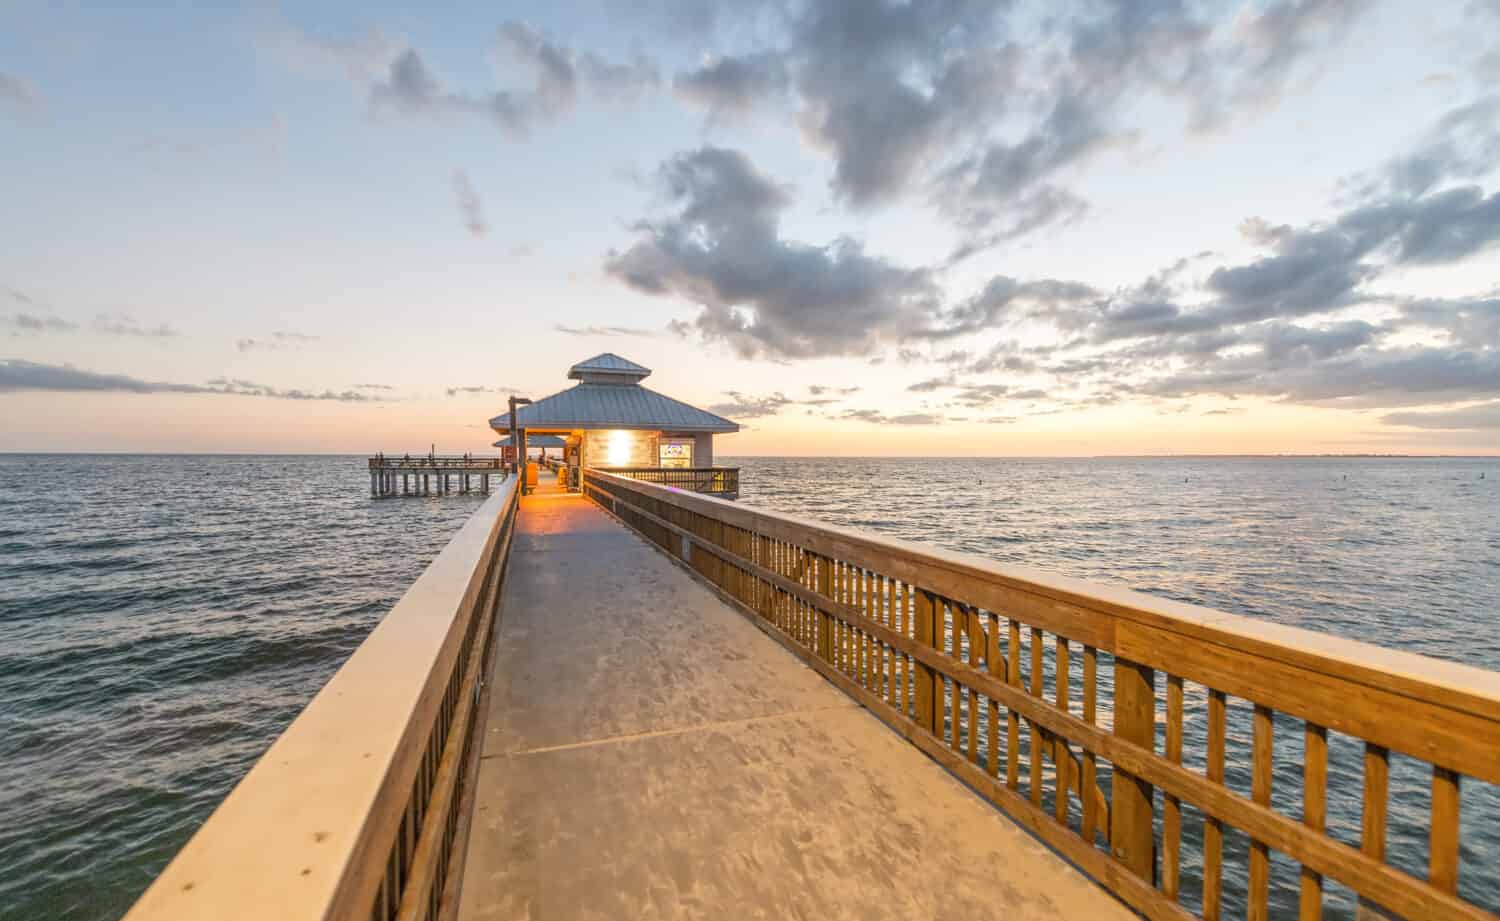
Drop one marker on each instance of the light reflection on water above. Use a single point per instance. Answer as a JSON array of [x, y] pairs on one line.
[[1403, 553]]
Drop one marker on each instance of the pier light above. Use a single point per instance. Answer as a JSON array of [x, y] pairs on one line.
[[619, 448]]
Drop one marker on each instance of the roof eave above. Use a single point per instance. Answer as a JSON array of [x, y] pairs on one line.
[[501, 424]]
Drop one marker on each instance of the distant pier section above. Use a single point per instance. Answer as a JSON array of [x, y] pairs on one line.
[[430, 474]]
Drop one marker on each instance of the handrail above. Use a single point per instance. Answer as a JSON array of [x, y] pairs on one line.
[[723, 481], [357, 810], [961, 655], [428, 462]]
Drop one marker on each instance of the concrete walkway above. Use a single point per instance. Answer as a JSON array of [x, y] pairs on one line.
[[649, 753]]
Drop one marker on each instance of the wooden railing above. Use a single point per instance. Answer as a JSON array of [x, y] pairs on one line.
[[723, 482], [359, 809], [1102, 719], [429, 462]]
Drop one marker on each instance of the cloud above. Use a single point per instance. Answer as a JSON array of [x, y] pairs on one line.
[[875, 417], [469, 206], [456, 391], [1464, 143], [1479, 417], [359, 58], [741, 406], [382, 387], [18, 93], [730, 87], [119, 324], [604, 330], [409, 87], [972, 104], [17, 375], [280, 339], [762, 294], [626, 81], [33, 323]]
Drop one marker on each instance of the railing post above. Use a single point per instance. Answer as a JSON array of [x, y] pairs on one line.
[[1132, 838], [825, 620], [928, 630]]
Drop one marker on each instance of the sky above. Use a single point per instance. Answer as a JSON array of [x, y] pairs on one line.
[[868, 227]]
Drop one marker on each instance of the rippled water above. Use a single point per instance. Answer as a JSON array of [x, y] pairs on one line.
[[163, 618], [1403, 553]]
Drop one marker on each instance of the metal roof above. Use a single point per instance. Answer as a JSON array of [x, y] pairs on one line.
[[533, 441], [610, 364], [613, 406]]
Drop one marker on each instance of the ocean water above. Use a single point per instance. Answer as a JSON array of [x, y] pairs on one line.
[[163, 618], [1403, 553]]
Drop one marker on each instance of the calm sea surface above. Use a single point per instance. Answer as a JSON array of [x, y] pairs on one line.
[[163, 618]]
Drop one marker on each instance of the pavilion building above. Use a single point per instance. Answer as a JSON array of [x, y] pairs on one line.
[[609, 421]]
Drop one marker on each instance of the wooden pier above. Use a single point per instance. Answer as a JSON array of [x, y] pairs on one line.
[[392, 477], [644, 702]]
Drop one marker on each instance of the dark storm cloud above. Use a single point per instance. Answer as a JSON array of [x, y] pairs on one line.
[[409, 87], [470, 208], [17, 375], [762, 294]]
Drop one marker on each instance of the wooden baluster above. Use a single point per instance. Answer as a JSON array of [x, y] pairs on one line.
[[992, 663], [955, 649], [873, 595], [929, 687], [1036, 737], [844, 631], [1061, 756], [1260, 791], [1171, 835], [976, 652], [898, 600], [1132, 838], [1373, 813], [1442, 867], [890, 621], [1213, 830], [1090, 780], [825, 620], [1012, 720], [1314, 814]]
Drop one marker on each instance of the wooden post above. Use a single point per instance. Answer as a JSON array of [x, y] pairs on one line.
[[825, 620], [929, 631], [1131, 836], [373, 491]]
